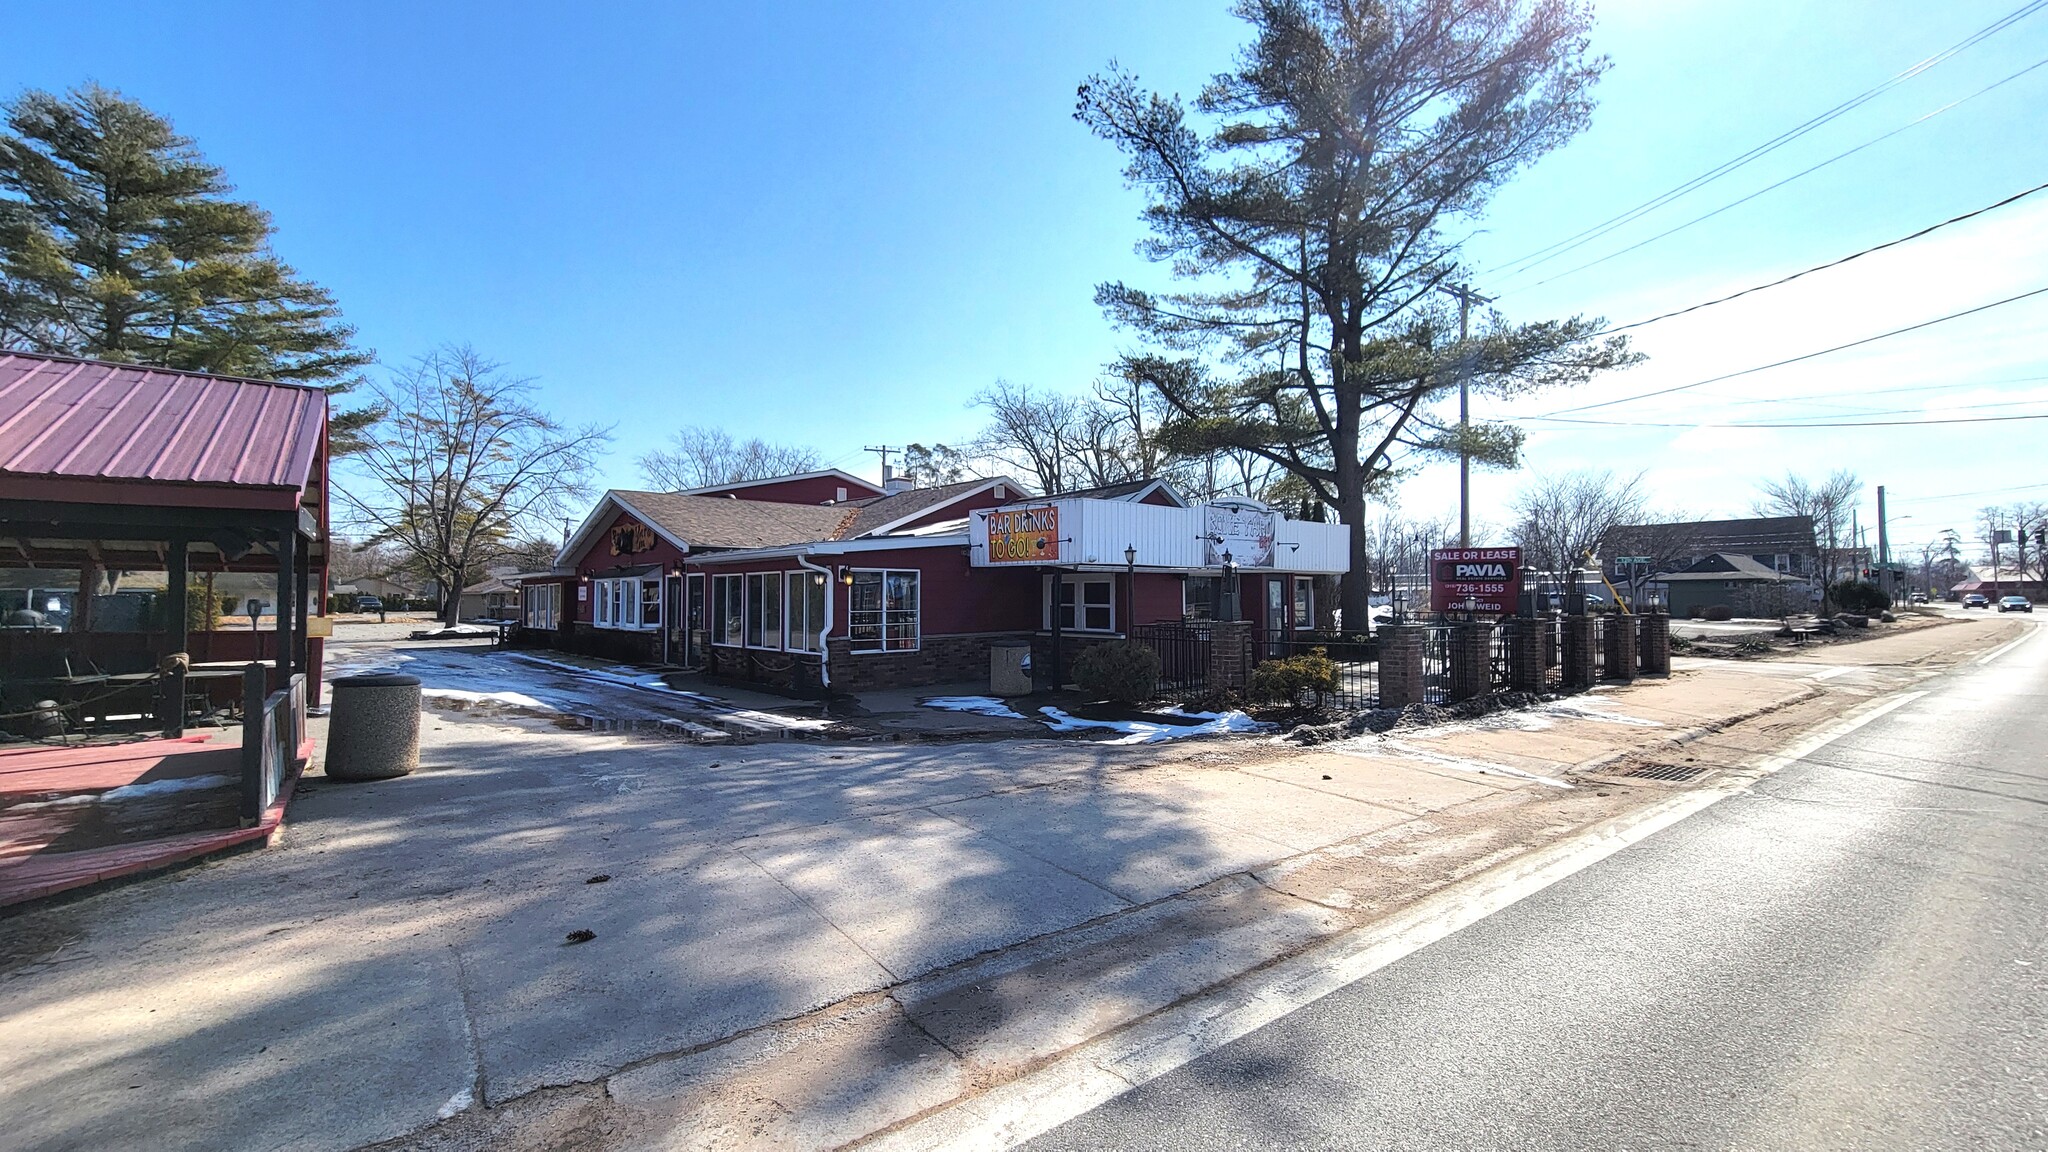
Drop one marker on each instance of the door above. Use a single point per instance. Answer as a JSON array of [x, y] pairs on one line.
[[693, 619]]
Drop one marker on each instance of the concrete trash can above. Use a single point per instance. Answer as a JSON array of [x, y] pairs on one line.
[[373, 727], [1009, 669]]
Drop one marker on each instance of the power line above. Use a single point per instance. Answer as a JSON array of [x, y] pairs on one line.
[[1529, 260], [1833, 424], [1772, 188], [1860, 393], [1798, 359], [2018, 196]]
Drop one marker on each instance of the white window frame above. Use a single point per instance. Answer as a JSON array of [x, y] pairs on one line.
[[886, 617], [771, 632], [1304, 595], [715, 621], [796, 600], [601, 604], [640, 596], [540, 606], [1078, 581]]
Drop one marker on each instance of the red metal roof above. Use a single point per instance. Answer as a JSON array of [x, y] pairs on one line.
[[92, 420]]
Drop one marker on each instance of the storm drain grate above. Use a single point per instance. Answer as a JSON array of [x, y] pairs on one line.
[[1676, 772]]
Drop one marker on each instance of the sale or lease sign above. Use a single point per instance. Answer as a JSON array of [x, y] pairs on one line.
[[1484, 580]]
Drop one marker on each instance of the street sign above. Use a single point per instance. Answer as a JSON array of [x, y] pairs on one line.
[[1481, 580], [1631, 559]]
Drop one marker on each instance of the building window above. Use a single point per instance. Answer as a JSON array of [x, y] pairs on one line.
[[542, 605], [1087, 604], [726, 610], [882, 613], [764, 610], [806, 601], [650, 603], [1198, 597], [1304, 602], [601, 603]]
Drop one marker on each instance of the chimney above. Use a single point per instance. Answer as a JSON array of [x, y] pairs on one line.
[[891, 485]]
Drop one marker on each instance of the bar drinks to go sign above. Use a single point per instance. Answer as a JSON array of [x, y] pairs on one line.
[[1483, 580], [1024, 535]]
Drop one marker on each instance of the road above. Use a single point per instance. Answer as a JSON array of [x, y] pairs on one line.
[[1848, 955]]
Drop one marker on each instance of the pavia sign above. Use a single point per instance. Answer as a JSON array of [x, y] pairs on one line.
[[1483, 580]]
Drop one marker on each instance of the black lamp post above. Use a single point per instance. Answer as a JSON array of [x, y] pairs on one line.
[[1229, 585], [1130, 587]]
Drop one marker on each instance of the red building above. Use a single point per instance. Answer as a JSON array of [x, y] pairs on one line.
[[911, 586]]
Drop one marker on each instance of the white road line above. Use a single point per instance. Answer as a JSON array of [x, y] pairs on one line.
[[1102, 1070], [2008, 646]]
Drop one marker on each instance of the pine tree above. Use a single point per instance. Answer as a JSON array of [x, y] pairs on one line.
[[119, 241]]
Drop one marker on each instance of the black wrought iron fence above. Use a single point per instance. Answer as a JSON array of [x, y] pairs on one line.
[[1183, 650], [1356, 658]]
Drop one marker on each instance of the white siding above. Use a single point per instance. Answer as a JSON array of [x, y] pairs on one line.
[[1094, 533]]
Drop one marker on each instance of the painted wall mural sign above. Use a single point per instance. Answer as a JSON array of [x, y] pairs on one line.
[[1244, 531], [1024, 535], [630, 537], [1483, 580]]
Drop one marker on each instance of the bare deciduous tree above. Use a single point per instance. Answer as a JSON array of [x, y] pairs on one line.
[[462, 464], [1829, 503], [1037, 432], [1564, 517], [699, 457]]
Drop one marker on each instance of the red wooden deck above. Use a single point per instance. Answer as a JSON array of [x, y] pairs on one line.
[[56, 834]]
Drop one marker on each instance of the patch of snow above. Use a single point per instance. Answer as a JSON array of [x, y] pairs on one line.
[[166, 787], [515, 699], [1146, 732], [652, 682], [979, 705], [457, 1103]]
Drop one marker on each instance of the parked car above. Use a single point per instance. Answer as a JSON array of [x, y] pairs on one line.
[[1976, 600], [369, 603], [2016, 604], [1917, 598]]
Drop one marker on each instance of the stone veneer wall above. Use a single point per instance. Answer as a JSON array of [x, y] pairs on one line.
[[954, 659]]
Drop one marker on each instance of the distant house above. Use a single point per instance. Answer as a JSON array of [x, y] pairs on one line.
[[1739, 583], [495, 597], [2008, 580], [1778, 544], [386, 589]]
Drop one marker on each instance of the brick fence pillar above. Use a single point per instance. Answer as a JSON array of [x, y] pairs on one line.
[[1526, 641], [1579, 669], [1621, 647], [1471, 659], [1400, 665], [1230, 644], [1656, 644]]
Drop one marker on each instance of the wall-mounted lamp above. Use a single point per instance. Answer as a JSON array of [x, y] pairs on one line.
[[846, 577]]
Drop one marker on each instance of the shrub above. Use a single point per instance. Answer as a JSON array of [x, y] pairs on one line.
[[1304, 681], [343, 601], [1123, 671], [1859, 596], [1695, 612], [1720, 612]]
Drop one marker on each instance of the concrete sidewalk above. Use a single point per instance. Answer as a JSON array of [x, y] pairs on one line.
[[797, 944]]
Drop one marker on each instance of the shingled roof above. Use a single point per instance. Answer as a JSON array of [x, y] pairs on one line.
[[724, 522], [1750, 536], [881, 511]]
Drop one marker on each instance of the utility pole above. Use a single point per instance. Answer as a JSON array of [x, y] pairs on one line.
[[1884, 547], [1465, 297], [883, 451]]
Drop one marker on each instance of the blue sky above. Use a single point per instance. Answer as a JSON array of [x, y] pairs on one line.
[[832, 223]]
